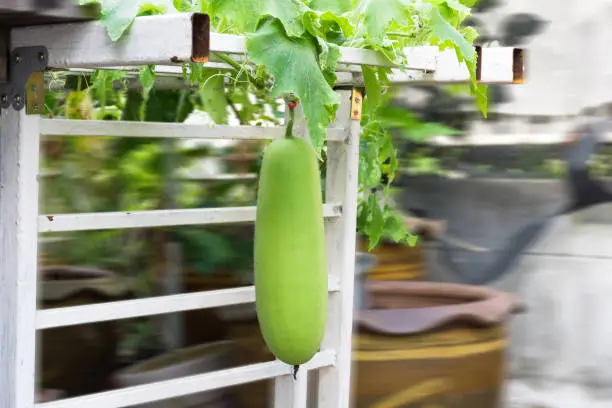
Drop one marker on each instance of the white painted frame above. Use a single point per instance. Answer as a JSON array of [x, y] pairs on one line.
[[86, 45]]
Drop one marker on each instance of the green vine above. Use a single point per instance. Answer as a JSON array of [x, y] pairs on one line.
[[293, 49]]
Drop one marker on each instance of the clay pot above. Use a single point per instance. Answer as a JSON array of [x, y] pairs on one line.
[[396, 262], [436, 345], [79, 359], [181, 363]]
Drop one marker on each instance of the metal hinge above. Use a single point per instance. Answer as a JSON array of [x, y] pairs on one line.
[[356, 104], [23, 83]]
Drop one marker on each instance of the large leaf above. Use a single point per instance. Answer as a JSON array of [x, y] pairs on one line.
[[378, 14], [293, 62], [118, 15], [245, 15], [212, 95], [449, 36], [337, 6]]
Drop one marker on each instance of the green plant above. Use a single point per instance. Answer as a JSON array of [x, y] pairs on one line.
[[307, 36]]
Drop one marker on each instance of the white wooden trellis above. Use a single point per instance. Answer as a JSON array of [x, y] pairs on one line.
[[86, 45]]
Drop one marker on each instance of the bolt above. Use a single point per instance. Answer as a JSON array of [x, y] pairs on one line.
[[41, 56], [18, 99], [18, 59], [4, 98], [355, 112], [357, 100]]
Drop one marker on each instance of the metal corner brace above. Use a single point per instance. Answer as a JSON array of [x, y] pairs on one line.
[[22, 78]]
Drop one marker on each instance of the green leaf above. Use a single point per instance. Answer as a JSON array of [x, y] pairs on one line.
[[147, 79], [449, 36], [394, 228], [212, 95], [187, 5], [423, 131], [118, 15], [337, 6], [245, 15], [293, 63], [376, 225], [378, 14]]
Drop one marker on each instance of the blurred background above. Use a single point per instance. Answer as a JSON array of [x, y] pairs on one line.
[[503, 301]]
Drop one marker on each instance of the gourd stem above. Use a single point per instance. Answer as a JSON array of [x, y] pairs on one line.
[[289, 129]]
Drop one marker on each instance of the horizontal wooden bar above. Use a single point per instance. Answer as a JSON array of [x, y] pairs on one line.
[[162, 390], [128, 309], [67, 127], [156, 218], [185, 37]]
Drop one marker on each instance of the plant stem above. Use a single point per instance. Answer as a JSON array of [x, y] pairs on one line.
[[234, 64], [289, 129]]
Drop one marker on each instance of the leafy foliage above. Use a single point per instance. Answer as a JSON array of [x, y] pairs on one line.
[[293, 49]]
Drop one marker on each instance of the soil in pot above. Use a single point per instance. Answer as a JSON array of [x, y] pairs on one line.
[[436, 345], [79, 359], [180, 363], [396, 262]]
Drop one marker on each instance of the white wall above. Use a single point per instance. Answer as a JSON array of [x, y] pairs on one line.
[[561, 349]]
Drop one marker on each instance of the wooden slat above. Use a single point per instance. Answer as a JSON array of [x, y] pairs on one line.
[[67, 127], [163, 390], [184, 38], [156, 218], [127, 309]]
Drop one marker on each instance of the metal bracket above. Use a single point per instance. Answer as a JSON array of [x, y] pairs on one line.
[[25, 81], [356, 104]]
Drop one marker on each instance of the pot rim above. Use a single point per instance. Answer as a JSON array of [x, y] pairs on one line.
[[133, 371], [477, 305], [103, 281]]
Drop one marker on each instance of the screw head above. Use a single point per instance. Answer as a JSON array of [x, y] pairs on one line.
[[18, 59], [18, 99], [41, 56], [4, 98]]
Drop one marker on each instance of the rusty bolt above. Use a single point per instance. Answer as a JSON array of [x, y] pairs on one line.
[[357, 100], [355, 112]]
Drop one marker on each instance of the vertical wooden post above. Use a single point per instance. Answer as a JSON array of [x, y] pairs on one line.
[[334, 386], [19, 157]]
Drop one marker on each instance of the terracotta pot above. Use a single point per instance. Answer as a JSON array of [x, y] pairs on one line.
[[437, 345], [79, 359], [396, 262], [183, 362]]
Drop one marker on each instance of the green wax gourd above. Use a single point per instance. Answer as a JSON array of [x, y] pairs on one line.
[[290, 254]]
